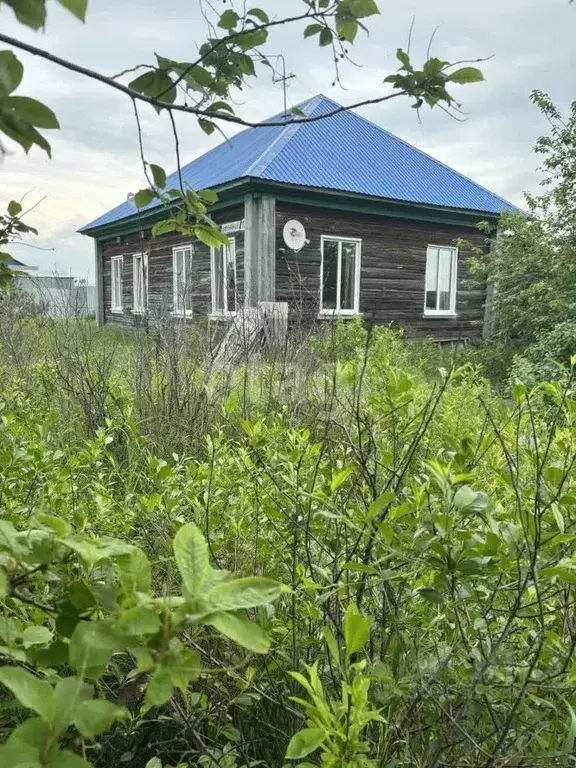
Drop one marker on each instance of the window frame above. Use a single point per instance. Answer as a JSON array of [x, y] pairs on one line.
[[175, 298], [327, 312], [140, 310], [117, 260], [213, 251], [451, 312]]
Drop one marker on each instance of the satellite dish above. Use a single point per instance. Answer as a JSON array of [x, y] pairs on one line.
[[130, 198], [294, 235]]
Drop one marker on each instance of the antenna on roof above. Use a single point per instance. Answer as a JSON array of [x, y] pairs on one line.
[[282, 79]]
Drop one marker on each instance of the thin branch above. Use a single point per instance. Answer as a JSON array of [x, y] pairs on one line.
[[155, 102]]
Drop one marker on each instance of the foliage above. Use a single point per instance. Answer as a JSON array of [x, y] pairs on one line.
[[532, 261], [424, 526], [11, 228]]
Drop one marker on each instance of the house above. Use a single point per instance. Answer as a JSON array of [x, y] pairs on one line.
[[334, 217]]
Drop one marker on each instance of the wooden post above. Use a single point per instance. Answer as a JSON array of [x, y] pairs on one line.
[[259, 249], [99, 276]]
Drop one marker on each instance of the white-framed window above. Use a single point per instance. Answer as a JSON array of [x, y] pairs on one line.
[[140, 282], [182, 271], [340, 275], [224, 279], [441, 276], [116, 263]]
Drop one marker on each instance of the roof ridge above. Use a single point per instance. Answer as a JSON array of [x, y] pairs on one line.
[[426, 154], [286, 134]]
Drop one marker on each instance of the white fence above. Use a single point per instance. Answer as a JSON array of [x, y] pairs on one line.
[[57, 296]]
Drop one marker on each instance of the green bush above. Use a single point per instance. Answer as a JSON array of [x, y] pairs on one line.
[[422, 528]]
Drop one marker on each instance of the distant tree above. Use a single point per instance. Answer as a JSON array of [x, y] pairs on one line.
[[532, 260]]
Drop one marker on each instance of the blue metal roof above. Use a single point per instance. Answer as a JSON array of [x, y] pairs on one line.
[[344, 152]]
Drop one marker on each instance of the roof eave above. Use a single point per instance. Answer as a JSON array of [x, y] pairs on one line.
[[231, 194]]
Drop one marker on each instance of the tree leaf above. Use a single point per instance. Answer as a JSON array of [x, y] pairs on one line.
[[159, 175], [468, 500], [36, 636], [568, 745], [360, 9], [212, 236], [19, 755], [68, 694], [229, 19], [159, 689], [144, 197], [431, 595], [32, 13], [11, 72], [313, 29], [466, 75], [191, 552], [77, 7], [95, 716], [346, 28], [163, 227], [240, 629], [248, 592], [14, 208], [326, 37], [138, 621], [30, 691], [154, 762], [91, 645], [260, 15], [304, 742], [66, 759], [341, 476], [356, 630]]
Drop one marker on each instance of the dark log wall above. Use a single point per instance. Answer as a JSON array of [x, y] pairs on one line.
[[393, 267], [160, 276]]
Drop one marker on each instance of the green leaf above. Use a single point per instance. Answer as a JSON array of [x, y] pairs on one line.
[[356, 630], [19, 755], [466, 75], [331, 643], [241, 630], [95, 716], [159, 175], [260, 15], [313, 29], [154, 762], [380, 503], [252, 39], [33, 732], [361, 9], [298, 112], [248, 592], [36, 636], [228, 20], [66, 759], [134, 571], [144, 197], [209, 196], [467, 500], [11, 72], [212, 236], [403, 58], [304, 742], [431, 595], [346, 28], [138, 621], [340, 477], [191, 552], [568, 745], [32, 13], [163, 227], [91, 645], [77, 7], [14, 208], [221, 106], [30, 691], [326, 37], [207, 126], [68, 694], [160, 688]]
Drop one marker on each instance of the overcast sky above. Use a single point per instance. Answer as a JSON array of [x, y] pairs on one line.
[[95, 155]]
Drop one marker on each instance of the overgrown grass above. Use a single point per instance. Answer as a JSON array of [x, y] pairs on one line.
[[355, 470]]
